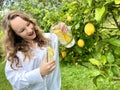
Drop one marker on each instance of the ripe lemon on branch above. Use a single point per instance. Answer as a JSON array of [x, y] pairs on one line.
[[69, 18], [81, 43], [89, 29], [63, 53]]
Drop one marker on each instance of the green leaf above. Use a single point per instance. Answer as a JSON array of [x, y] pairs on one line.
[[110, 57], [87, 10], [117, 50], [99, 12], [78, 50], [77, 26], [95, 62], [104, 60], [89, 2], [98, 78], [115, 70], [117, 62], [94, 72], [118, 33], [117, 1], [110, 73], [114, 41]]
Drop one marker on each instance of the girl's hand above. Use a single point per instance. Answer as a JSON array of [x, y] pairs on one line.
[[63, 27], [47, 67], [60, 26]]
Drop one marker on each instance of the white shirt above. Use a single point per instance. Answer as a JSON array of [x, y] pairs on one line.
[[28, 76]]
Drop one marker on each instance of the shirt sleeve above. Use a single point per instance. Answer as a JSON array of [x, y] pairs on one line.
[[20, 79]]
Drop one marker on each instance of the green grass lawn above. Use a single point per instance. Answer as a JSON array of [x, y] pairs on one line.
[[73, 78], [4, 84]]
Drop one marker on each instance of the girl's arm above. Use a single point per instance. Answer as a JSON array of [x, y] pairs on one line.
[[21, 79]]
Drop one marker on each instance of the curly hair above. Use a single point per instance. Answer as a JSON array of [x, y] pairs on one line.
[[13, 43]]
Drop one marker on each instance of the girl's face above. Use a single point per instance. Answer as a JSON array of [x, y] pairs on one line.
[[23, 28]]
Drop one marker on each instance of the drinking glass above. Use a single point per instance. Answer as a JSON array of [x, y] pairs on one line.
[[66, 39]]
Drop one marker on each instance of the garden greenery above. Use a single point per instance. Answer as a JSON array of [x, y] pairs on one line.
[[101, 51]]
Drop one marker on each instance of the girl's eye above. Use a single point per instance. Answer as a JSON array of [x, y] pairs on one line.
[[22, 30], [28, 23]]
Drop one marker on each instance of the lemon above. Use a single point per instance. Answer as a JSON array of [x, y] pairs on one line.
[[69, 18], [63, 54], [81, 43], [89, 29], [50, 53]]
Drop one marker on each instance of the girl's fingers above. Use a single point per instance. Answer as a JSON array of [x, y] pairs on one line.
[[51, 62], [51, 65], [63, 27], [52, 68]]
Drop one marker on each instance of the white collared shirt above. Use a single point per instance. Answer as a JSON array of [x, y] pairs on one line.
[[28, 76]]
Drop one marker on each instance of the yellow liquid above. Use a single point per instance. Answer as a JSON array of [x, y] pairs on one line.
[[64, 38], [50, 53]]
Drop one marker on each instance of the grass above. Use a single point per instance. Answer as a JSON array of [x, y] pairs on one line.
[[73, 78], [4, 84]]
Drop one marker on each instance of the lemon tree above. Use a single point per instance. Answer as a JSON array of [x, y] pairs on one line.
[[96, 23], [63, 53]]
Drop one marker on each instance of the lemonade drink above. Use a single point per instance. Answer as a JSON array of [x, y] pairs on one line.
[[50, 53], [65, 39]]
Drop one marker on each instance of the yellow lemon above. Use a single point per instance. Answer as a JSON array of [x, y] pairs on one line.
[[50, 53], [63, 54], [81, 43], [89, 29], [69, 18]]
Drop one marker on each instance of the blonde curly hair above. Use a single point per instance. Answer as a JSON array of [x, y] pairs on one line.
[[12, 42]]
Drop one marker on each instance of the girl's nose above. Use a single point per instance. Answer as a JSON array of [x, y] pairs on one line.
[[29, 29]]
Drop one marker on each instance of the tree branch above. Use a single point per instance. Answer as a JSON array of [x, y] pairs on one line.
[[115, 20], [108, 28]]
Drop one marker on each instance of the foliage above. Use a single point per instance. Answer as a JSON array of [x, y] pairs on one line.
[[1, 52], [101, 50]]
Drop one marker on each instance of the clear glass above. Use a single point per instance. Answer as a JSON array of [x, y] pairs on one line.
[[50, 51], [66, 39]]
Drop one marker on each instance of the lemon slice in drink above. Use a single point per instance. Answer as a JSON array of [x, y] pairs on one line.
[[63, 38], [50, 53], [68, 37]]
